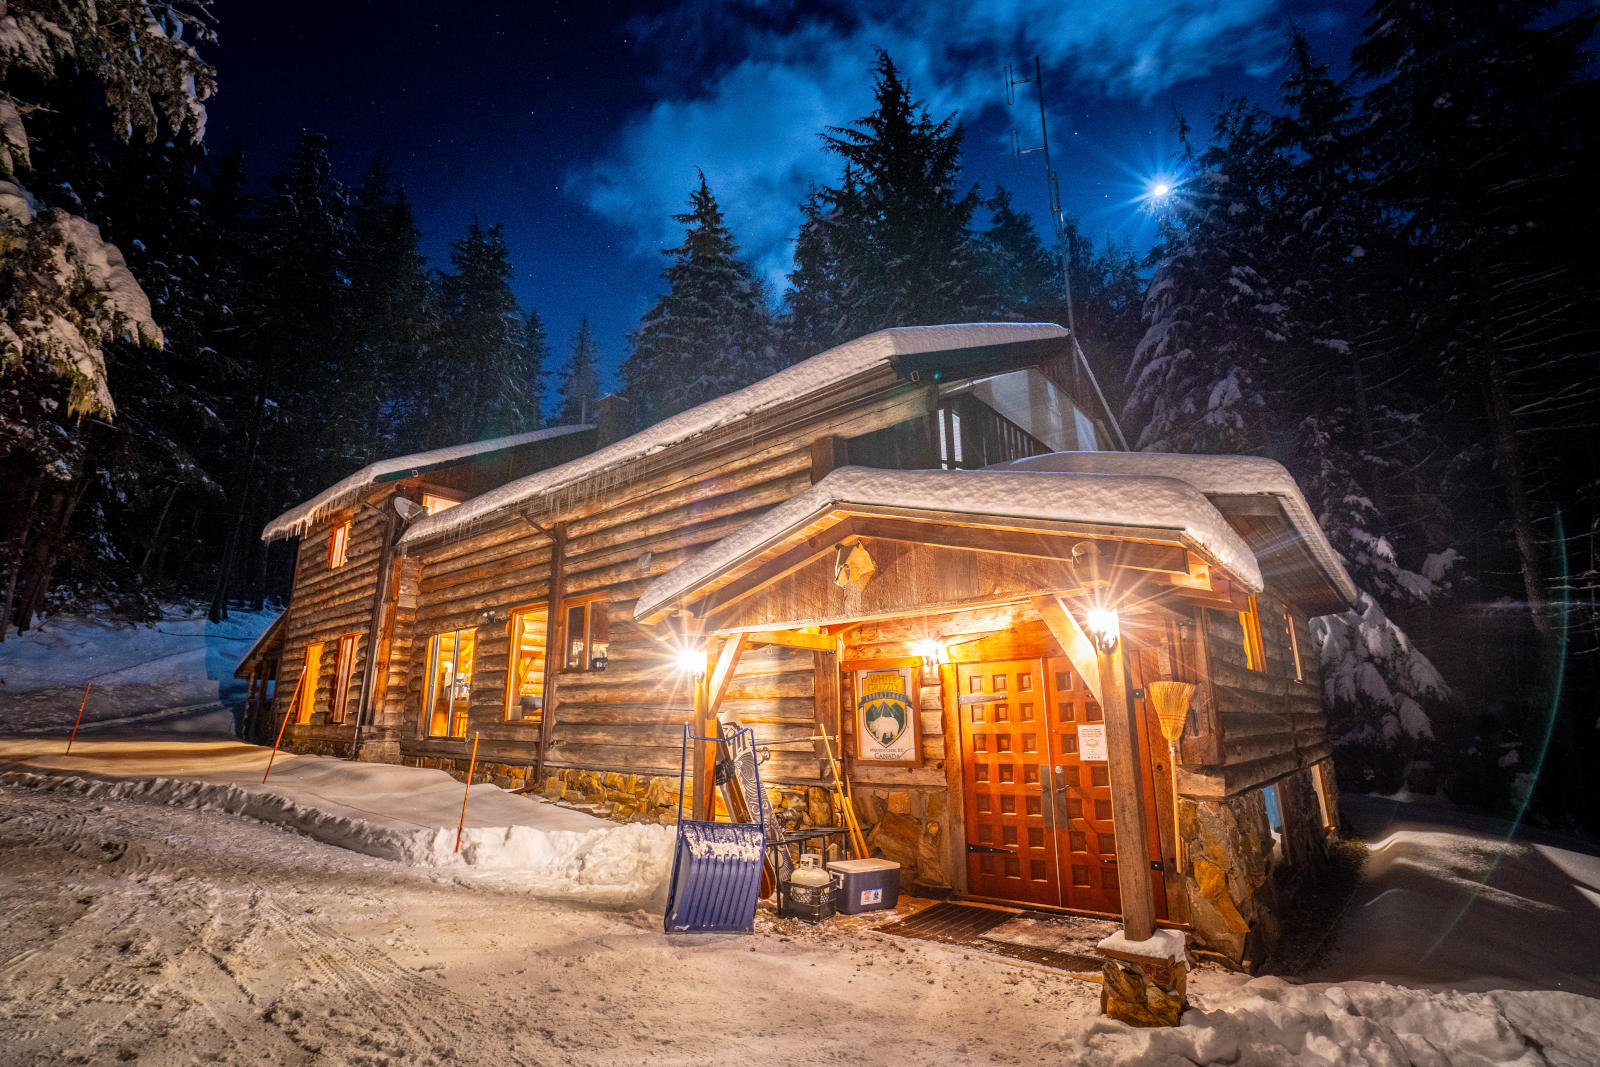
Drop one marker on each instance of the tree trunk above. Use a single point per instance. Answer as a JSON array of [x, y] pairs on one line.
[[47, 549], [219, 598], [155, 534], [22, 554]]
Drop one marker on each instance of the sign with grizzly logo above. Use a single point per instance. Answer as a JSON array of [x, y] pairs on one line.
[[887, 727]]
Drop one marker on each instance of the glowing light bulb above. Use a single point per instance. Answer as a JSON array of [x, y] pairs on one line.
[[929, 651], [1103, 629], [691, 660]]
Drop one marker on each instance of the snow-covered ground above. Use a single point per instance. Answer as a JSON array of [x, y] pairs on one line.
[[157, 903], [179, 670]]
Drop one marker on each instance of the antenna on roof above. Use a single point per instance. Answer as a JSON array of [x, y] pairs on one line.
[[1059, 218]]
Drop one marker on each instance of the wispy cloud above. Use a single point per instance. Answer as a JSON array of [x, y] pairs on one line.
[[748, 86]]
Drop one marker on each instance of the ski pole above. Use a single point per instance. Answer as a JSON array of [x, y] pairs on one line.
[[81, 706], [294, 701], [471, 763]]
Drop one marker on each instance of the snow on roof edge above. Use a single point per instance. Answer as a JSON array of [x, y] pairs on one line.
[[835, 364], [1212, 475], [299, 518], [1147, 501]]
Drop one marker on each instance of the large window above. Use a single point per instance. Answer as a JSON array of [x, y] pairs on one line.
[[339, 545], [306, 699], [587, 633], [344, 668], [525, 679], [450, 658]]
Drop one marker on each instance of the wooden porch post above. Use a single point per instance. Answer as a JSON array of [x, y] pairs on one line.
[[1127, 795]]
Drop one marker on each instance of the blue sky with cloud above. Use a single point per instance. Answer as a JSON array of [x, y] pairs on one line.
[[580, 126]]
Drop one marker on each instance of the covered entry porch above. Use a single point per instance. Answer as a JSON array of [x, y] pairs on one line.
[[988, 639]]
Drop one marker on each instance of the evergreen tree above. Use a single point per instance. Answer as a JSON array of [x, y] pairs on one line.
[[580, 385], [395, 323], [495, 385], [1023, 278], [1202, 377], [890, 245], [536, 343], [709, 334]]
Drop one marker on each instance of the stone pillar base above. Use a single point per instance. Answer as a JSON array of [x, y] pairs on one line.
[[1145, 981]]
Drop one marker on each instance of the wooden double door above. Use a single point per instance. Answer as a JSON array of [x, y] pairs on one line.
[[1038, 815]]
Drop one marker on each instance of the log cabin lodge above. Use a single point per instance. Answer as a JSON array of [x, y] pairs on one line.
[[947, 512]]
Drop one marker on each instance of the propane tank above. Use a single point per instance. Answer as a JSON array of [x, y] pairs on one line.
[[809, 893]]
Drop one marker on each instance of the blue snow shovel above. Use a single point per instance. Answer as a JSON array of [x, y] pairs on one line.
[[716, 869]]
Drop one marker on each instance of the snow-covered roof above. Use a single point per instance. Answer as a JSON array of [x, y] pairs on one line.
[[298, 519], [1143, 501], [837, 364], [1214, 476]]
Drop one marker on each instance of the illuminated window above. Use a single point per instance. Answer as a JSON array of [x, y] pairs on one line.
[[344, 668], [308, 683], [525, 679], [433, 503], [450, 658], [1250, 622], [587, 635], [1294, 645], [339, 545]]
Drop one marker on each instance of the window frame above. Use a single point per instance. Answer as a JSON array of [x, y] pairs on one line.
[[1255, 653], [432, 682], [1294, 644], [344, 669], [541, 610], [306, 702], [339, 544], [586, 602]]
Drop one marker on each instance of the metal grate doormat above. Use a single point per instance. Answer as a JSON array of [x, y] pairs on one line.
[[949, 923], [1063, 942]]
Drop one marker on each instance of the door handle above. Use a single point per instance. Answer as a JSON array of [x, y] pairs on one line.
[[1060, 778]]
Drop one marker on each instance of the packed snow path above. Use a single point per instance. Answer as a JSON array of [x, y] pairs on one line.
[[167, 935]]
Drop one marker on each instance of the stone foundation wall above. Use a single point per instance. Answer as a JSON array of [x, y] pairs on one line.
[[1237, 881], [909, 826]]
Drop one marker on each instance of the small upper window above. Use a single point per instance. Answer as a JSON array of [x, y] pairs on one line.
[[339, 545], [1255, 656], [433, 503]]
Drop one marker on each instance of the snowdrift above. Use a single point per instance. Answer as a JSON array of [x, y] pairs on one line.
[[404, 814]]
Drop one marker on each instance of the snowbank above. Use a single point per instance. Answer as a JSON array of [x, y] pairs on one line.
[[1453, 900], [1137, 501], [405, 814], [175, 675]]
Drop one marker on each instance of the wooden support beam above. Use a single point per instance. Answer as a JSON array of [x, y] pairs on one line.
[[794, 639], [722, 675], [1127, 797], [553, 650], [1074, 643]]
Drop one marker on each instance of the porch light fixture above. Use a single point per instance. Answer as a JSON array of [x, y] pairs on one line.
[[599, 658], [692, 661], [1102, 623], [931, 652]]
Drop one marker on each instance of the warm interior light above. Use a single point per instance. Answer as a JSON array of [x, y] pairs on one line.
[[692, 660], [929, 651], [1103, 628]]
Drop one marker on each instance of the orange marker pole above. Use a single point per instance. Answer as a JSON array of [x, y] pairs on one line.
[[294, 701], [471, 763], [81, 706]]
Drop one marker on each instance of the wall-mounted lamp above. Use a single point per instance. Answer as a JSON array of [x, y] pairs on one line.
[[1102, 626], [931, 652], [692, 661], [598, 656]]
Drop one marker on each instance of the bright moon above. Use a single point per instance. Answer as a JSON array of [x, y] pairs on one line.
[[1160, 189]]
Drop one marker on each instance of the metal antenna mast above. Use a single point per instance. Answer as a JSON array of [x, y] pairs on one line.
[[1059, 218]]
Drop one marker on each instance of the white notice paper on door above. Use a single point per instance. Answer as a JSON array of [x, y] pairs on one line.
[[1092, 742]]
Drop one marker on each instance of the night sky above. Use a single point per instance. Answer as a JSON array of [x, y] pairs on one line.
[[579, 126]]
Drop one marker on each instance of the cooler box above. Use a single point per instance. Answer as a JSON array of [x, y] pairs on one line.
[[866, 885]]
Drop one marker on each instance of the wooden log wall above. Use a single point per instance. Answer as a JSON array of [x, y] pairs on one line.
[[1270, 723], [628, 718], [328, 603]]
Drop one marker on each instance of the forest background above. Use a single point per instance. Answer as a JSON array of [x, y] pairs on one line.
[[1385, 282]]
